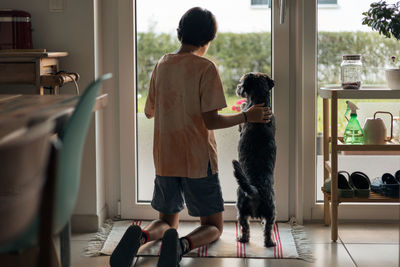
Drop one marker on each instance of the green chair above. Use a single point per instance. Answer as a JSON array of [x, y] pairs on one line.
[[69, 167], [67, 173]]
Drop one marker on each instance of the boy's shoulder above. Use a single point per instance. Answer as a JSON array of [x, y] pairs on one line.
[[193, 59]]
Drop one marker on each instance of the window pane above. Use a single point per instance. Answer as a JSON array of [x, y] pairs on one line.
[[347, 35], [261, 3], [327, 2], [240, 46]]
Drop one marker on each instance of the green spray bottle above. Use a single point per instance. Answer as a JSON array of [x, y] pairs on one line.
[[353, 134]]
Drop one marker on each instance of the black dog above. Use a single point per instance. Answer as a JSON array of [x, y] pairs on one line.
[[257, 153]]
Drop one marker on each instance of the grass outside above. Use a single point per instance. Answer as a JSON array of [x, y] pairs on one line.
[[231, 101]]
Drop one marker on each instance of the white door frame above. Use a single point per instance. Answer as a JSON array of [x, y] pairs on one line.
[[126, 34], [306, 97]]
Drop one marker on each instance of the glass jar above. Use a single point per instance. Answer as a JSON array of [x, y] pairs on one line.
[[351, 69]]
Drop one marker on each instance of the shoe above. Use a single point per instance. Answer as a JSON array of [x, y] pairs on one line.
[[127, 247], [386, 185], [361, 184], [344, 188], [397, 176], [171, 251]]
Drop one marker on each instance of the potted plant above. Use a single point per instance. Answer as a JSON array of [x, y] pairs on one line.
[[385, 18]]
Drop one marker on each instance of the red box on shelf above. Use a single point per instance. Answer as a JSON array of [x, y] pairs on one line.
[[15, 29]]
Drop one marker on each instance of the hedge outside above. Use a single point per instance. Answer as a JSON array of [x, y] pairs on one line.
[[238, 53]]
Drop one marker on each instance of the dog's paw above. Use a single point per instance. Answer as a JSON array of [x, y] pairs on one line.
[[243, 239], [269, 243]]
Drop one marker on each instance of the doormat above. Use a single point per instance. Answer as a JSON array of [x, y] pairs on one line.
[[291, 241]]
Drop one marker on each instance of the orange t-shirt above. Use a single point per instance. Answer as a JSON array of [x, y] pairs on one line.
[[183, 86]]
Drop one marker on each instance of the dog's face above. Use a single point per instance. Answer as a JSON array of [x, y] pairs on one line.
[[256, 87]]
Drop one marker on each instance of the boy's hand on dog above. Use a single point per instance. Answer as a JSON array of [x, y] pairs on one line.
[[259, 114]]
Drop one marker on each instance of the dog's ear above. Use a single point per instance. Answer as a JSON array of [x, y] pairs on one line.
[[269, 81], [243, 86]]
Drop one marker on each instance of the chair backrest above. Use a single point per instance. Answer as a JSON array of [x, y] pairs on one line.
[[23, 155], [70, 156]]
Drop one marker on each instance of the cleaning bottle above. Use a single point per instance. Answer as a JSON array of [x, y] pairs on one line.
[[353, 134]]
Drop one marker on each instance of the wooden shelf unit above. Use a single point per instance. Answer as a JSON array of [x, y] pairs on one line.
[[373, 197], [330, 137]]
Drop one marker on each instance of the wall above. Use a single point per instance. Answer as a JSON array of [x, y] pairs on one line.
[[77, 30]]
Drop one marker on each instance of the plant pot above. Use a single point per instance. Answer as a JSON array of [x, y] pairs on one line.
[[393, 78]]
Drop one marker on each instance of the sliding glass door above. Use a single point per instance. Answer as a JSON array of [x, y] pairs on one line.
[[245, 43]]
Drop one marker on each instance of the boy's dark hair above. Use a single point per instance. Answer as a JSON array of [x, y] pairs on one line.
[[197, 27]]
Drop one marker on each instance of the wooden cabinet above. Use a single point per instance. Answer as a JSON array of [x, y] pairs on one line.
[[29, 67], [331, 200]]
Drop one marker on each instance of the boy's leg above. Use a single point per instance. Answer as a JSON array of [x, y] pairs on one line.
[[155, 230], [210, 230]]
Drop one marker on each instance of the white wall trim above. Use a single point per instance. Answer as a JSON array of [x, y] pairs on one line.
[[281, 94], [306, 105], [302, 85], [127, 104]]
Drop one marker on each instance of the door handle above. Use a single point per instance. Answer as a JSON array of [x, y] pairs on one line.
[[282, 11]]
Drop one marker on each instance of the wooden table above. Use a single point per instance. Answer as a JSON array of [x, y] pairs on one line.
[[17, 110], [29, 67]]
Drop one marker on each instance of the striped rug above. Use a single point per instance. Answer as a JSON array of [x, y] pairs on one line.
[[288, 245]]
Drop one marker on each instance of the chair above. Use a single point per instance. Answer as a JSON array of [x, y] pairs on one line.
[[67, 171], [24, 155]]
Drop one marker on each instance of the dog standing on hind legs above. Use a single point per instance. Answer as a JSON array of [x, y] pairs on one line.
[[254, 171]]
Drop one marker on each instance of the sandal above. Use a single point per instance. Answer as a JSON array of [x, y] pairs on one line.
[[386, 185], [344, 188], [361, 184], [397, 176]]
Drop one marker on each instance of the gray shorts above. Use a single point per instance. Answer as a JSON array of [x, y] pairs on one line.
[[203, 196]]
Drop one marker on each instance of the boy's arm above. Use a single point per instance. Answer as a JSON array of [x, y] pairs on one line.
[[150, 101], [257, 113]]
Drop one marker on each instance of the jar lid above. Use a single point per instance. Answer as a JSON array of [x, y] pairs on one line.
[[352, 57]]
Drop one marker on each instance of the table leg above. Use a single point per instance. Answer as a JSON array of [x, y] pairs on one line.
[[326, 155], [334, 170], [56, 90]]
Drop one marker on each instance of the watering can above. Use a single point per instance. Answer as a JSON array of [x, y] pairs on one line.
[[375, 132]]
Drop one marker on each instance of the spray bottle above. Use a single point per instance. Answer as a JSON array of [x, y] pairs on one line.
[[353, 134]]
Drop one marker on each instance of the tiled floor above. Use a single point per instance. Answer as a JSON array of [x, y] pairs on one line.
[[361, 244]]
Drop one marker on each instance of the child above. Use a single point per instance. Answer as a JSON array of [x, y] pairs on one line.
[[184, 97]]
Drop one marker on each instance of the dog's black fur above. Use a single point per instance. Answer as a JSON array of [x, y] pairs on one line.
[[257, 154]]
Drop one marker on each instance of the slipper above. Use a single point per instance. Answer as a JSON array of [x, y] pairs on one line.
[[171, 251], [386, 185], [127, 248], [344, 188], [390, 186], [397, 176], [361, 184]]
